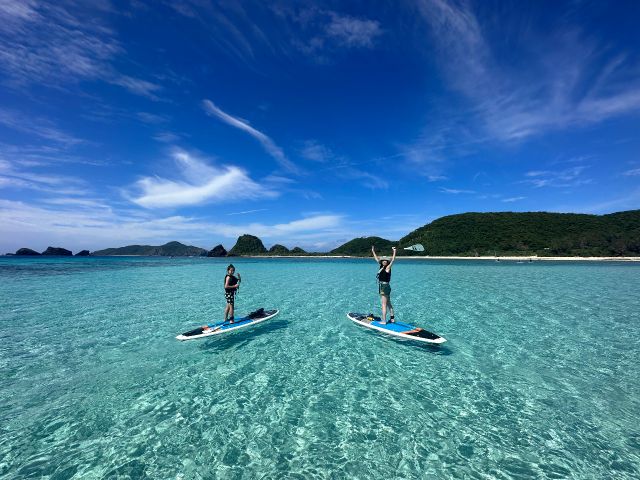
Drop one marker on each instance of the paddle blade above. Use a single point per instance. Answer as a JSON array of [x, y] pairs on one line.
[[416, 248]]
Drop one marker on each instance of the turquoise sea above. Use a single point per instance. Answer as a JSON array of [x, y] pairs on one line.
[[540, 377]]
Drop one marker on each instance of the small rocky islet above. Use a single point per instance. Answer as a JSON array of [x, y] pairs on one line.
[[50, 251]]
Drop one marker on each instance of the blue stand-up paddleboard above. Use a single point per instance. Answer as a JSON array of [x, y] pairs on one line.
[[220, 328], [396, 329]]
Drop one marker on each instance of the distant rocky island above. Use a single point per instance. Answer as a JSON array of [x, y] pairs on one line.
[[50, 251], [171, 249], [540, 234], [217, 251], [362, 246]]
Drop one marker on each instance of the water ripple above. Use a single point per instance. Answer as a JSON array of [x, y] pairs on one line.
[[539, 378]]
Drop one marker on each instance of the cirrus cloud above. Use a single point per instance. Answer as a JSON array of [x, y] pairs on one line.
[[201, 184], [572, 79], [269, 145], [353, 32]]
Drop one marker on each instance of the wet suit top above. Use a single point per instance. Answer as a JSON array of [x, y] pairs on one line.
[[384, 276], [233, 280]]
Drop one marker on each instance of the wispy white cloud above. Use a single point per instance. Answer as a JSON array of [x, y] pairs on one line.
[[568, 177], [37, 154], [279, 230], [316, 152], [248, 34], [13, 11], [232, 26], [353, 32], [342, 167], [201, 184], [151, 118], [490, 196], [366, 179], [321, 34], [45, 43], [624, 201], [77, 202], [456, 191], [245, 212], [436, 178], [634, 172], [166, 137], [558, 89], [17, 177], [440, 144], [137, 86], [513, 199], [269, 145], [278, 180], [537, 173], [57, 45], [36, 126]]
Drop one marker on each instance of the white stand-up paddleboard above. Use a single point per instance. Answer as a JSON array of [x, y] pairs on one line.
[[396, 329], [220, 328]]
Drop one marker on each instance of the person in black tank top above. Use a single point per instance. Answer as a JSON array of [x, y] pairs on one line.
[[384, 286], [231, 286]]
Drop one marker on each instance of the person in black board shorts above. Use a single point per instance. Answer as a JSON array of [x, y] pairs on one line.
[[231, 285], [384, 287]]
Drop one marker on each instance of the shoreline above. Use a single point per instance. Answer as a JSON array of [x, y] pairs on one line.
[[485, 258], [527, 259]]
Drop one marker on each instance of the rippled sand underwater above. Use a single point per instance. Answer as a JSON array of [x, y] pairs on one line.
[[539, 377]]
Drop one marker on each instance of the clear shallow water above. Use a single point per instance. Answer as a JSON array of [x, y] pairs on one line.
[[540, 377]]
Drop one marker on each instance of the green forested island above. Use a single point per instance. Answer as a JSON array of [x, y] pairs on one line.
[[175, 249], [467, 234], [248, 245], [252, 245], [531, 233], [362, 246]]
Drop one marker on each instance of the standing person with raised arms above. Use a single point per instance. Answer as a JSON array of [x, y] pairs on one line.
[[384, 287], [231, 286]]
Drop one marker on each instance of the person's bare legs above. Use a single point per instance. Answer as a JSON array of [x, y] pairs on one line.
[[392, 318], [384, 299], [228, 310]]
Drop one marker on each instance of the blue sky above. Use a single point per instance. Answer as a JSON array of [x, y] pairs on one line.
[[308, 123]]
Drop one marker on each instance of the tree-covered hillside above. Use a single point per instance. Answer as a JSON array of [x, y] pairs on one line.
[[175, 249], [278, 249], [531, 233], [248, 245], [362, 246]]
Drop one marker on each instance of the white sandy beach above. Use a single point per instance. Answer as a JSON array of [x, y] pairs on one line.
[[488, 258]]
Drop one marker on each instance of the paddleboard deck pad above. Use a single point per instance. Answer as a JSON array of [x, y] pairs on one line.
[[220, 328], [396, 329]]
